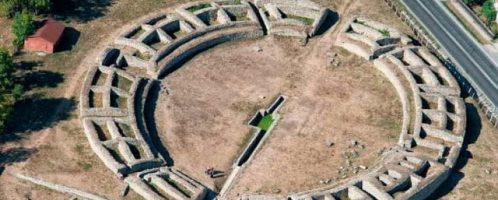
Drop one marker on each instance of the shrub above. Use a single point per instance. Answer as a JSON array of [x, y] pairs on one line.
[[489, 11], [22, 26]]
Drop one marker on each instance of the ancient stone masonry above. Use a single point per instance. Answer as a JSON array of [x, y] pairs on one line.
[[370, 39], [58, 187], [402, 175], [108, 107], [263, 123], [166, 183], [433, 127], [291, 18], [116, 88], [438, 111], [159, 43]]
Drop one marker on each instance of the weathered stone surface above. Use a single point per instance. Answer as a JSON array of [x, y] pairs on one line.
[[428, 92]]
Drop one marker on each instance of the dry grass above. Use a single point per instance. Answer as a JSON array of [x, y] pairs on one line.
[[62, 153], [466, 23], [476, 174], [208, 104]]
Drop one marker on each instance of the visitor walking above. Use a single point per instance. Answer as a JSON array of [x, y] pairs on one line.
[[210, 172]]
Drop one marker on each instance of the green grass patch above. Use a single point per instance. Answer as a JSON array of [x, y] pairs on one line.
[[79, 148], [118, 101], [385, 32], [344, 196], [125, 130], [96, 100], [143, 56], [266, 122], [241, 17], [307, 21], [136, 34], [99, 78], [122, 83], [389, 124], [86, 166], [361, 22], [198, 7]]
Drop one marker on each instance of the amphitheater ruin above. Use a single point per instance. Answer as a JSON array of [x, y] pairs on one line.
[[116, 93]]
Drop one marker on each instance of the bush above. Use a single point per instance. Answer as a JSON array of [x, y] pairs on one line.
[[488, 10], [22, 26], [11, 7]]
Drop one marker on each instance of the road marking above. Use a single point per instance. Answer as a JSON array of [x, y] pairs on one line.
[[484, 50], [458, 44]]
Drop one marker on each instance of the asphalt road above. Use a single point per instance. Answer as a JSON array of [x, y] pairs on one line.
[[477, 67]]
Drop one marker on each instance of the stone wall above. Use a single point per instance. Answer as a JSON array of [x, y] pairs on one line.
[[434, 119], [292, 18], [369, 39], [113, 116], [166, 183]]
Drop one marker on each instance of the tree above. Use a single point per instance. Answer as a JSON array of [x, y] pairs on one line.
[[473, 2], [11, 7], [9, 91], [489, 11], [22, 26]]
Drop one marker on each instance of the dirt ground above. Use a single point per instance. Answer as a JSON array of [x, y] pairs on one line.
[[476, 173], [208, 103], [50, 144], [44, 138]]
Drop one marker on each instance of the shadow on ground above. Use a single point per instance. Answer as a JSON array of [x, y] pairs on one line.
[[14, 155], [68, 40], [80, 10], [34, 114], [27, 65], [31, 77], [473, 131], [42, 79], [150, 123], [330, 20]]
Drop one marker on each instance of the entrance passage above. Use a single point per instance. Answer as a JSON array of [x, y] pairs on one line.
[[263, 121]]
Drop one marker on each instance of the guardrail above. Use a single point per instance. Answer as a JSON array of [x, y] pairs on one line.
[[425, 39], [473, 19]]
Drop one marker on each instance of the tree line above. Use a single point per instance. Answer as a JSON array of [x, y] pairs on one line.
[[11, 7], [22, 13], [10, 91]]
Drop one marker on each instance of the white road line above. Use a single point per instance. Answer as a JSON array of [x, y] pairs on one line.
[[458, 44], [469, 35]]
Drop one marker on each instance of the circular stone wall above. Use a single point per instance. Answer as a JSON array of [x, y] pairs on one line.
[[202, 118], [120, 95]]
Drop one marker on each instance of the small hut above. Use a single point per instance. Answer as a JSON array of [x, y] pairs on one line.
[[46, 38]]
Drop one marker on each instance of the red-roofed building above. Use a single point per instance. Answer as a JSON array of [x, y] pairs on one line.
[[46, 38]]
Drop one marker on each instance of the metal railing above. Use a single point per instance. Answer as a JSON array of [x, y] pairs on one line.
[[424, 37]]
